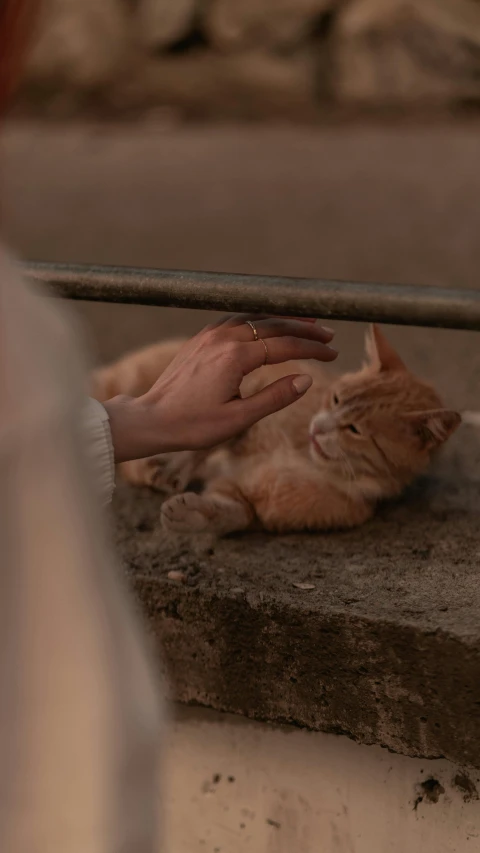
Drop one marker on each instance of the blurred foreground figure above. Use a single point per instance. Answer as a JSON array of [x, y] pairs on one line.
[[79, 716]]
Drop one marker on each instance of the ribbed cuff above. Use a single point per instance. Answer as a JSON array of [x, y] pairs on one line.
[[99, 448]]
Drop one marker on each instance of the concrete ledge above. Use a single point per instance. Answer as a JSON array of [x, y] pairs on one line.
[[384, 649]]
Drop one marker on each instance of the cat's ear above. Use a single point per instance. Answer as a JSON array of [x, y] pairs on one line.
[[380, 353], [434, 426]]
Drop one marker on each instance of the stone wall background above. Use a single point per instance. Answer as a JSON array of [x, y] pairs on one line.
[[254, 59]]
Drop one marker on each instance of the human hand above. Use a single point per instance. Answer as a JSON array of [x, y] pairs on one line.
[[196, 404]]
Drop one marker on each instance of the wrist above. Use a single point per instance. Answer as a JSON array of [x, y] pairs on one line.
[[130, 421]]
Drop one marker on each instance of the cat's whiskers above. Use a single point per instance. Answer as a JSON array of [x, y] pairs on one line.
[[348, 466]]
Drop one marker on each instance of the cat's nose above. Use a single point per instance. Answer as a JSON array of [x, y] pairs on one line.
[[322, 423]]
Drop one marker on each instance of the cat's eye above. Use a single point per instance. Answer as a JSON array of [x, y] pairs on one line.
[[353, 429], [335, 400]]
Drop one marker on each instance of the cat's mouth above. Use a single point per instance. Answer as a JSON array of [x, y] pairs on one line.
[[318, 449]]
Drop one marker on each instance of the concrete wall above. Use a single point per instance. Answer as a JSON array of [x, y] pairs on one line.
[[237, 786], [255, 58]]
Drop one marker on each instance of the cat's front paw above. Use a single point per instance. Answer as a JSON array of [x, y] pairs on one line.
[[187, 513]]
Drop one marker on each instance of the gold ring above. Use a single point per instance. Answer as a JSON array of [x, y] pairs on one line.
[[266, 350], [253, 328]]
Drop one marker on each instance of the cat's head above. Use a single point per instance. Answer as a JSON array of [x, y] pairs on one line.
[[379, 426]]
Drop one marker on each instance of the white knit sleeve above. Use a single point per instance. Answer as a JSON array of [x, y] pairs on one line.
[[99, 448]]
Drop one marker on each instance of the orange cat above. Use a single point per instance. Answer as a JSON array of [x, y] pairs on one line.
[[323, 463]]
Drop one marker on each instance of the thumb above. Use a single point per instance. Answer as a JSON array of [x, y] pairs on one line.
[[274, 397]]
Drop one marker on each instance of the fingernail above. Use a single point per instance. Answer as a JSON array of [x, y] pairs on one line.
[[302, 383], [329, 330]]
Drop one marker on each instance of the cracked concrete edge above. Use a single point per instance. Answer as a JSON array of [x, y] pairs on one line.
[[393, 685]]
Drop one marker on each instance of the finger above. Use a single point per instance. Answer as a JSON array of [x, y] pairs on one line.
[[232, 321], [274, 397], [242, 318], [278, 350], [235, 321], [276, 327], [301, 319]]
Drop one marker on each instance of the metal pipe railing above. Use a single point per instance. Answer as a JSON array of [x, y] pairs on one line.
[[331, 300]]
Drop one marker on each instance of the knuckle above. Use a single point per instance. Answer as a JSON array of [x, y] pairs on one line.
[[210, 332], [233, 350]]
